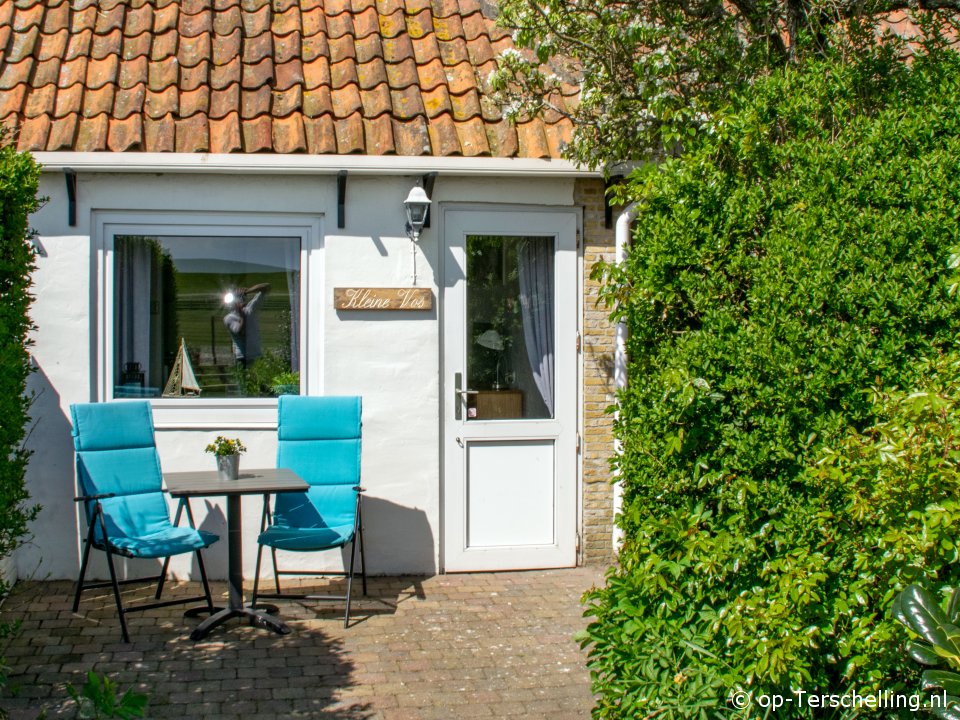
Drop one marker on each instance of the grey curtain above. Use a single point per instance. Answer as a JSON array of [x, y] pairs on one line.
[[293, 292], [133, 283], [536, 307]]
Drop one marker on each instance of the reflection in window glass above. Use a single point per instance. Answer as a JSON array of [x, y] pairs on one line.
[[207, 317], [510, 327]]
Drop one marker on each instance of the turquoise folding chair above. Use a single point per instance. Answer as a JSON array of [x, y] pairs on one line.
[[121, 488], [319, 439]]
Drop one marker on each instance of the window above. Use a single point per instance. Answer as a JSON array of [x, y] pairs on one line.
[[207, 313]]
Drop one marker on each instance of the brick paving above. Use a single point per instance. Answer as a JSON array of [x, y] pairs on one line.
[[491, 645]]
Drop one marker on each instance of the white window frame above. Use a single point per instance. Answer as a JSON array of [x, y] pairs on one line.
[[175, 413]]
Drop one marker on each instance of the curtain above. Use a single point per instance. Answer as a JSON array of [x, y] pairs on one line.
[[133, 284], [293, 292], [536, 307]]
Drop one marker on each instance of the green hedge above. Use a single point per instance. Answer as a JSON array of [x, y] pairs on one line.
[[19, 177], [781, 268]]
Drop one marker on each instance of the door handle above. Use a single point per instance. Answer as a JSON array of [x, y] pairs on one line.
[[460, 396]]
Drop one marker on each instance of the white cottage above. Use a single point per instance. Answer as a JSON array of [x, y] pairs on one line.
[[229, 176]]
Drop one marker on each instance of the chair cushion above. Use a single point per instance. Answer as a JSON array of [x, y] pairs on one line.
[[306, 539], [108, 426], [318, 418], [168, 541]]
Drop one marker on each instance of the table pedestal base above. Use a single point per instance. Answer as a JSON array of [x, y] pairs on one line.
[[255, 618]]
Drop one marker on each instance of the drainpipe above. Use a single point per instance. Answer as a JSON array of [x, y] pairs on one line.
[[624, 222]]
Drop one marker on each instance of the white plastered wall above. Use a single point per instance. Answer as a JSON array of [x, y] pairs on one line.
[[391, 359]]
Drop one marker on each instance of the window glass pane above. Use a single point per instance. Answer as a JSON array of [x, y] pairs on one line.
[[207, 317], [510, 327]]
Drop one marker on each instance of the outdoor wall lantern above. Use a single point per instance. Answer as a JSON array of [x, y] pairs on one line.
[[416, 205]]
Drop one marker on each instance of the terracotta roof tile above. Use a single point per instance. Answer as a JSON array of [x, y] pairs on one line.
[[34, 133], [402, 75], [227, 74], [192, 25], [314, 47], [109, 20], [254, 103], [138, 46], [313, 22], [225, 134], [257, 48], [376, 101], [372, 74], [473, 137], [46, 72], [321, 137], [257, 22], [286, 22], [343, 73], [11, 100], [286, 102], [164, 45], [53, 45], [257, 75], [284, 76], [226, 47], [342, 48], [316, 73], [98, 102], [129, 101], [139, 20], [226, 22], [397, 49], [92, 133], [257, 134], [195, 102], [317, 102], [288, 135], [62, 133], [286, 48], [378, 136], [437, 101], [193, 134], [193, 50], [159, 134], [126, 134], [160, 104], [224, 102], [349, 133], [69, 101]]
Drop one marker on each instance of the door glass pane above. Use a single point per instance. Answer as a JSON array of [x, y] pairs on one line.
[[510, 327], [206, 317]]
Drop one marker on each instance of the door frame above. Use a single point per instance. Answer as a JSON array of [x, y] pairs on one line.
[[444, 257]]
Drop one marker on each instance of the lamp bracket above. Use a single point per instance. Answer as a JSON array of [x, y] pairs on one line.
[[70, 176], [341, 198]]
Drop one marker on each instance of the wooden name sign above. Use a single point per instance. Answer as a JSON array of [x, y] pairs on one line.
[[412, 298]]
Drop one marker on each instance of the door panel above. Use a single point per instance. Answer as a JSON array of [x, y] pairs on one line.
[[509, 322]]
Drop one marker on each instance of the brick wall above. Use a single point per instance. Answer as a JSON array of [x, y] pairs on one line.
[[598, 384]]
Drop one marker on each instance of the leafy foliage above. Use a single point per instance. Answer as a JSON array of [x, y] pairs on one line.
[[787, 274], [938, 643], [225, 446], [19, 177], [654, 73], [98, 699]]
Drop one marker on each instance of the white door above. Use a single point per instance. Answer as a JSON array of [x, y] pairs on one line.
[[509, 390]]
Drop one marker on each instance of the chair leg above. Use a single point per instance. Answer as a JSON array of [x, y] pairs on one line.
[[353, 557], [83, 570], [363, 562], [203, 579], [163, 578], [276, 575], [256, 577], [116, 595]]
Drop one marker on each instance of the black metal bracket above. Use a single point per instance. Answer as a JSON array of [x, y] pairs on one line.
[[71, 177], [341, 199], [607, 206], [428, 180]]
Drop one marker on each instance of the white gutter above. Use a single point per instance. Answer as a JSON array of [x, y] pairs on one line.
[[305, 164], [624, 222]]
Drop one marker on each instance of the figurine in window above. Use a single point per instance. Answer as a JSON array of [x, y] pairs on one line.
[[242, 322]]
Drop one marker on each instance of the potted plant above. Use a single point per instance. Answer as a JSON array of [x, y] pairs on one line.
[[228, 456]]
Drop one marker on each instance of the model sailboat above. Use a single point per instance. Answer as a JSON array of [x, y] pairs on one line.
[[182, 381]]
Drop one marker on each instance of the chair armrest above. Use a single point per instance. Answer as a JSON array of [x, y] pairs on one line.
[[101, 496], [359, 489]]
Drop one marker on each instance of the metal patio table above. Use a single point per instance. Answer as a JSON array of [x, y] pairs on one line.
[[251, 482]]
